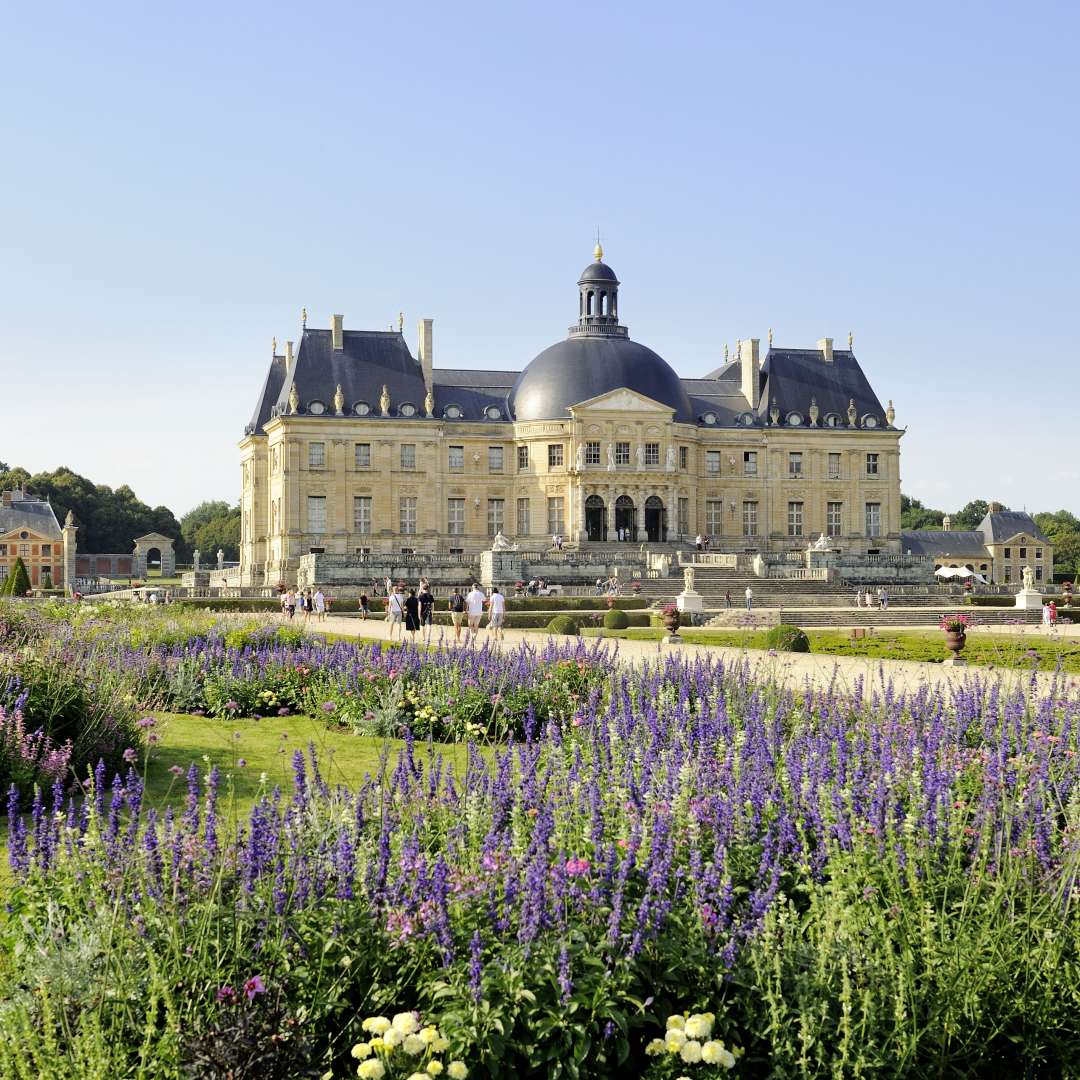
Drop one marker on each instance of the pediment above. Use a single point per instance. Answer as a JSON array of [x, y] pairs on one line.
[[153, 538], [622, 400]]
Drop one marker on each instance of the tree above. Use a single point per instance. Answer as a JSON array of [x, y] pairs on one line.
[[17, 583], [970, 516], [913, 515], [1063, 531], [222, 532]]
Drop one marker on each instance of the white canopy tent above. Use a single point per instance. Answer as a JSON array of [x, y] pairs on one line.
[[958, 572]]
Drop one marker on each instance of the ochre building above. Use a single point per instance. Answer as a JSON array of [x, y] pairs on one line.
[[357, 447]]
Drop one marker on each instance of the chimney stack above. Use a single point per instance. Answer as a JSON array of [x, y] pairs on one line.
[[337, 332], [995, 508], [7, 498], [750, 359], [825, 345], [288, 357], [426, 351]]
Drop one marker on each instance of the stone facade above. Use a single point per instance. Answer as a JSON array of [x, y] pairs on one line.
[[29, 531], [759, 455]]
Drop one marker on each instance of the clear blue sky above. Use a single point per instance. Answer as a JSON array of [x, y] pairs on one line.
[[178, 180]]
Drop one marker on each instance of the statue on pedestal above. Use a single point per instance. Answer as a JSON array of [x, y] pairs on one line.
[[384, 401], [579, 457], [820, 544], [196, 555], [640, 454], [610, 457], [688, 579], [429, 405], [670, 459], [1028, 579], [220, 559], [502, 543]]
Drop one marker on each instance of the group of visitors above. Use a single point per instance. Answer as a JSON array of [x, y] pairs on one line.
[[306, 603], [557, 541], [537, 587], [701, 542], [625, 534], [412, 611], [1049, 614], [865, 597], [607, 585]]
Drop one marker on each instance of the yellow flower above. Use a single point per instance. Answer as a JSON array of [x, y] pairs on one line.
[[690, 1051], [655, 1047], [406, 1023], [711, 1051], [439, 1044], [677, 1022], [392, 1038], [456, 1070], [371, 1070], [361, 1051], [674, 1041], [698, 1027], [727, 1058], [434, 1068], [413, 1045], [418, 1076], [376, 1024], [429, 1034]]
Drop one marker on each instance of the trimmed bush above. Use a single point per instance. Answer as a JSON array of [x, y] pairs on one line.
[[616, 620], [17, 583], [786, 638], [563, 624]]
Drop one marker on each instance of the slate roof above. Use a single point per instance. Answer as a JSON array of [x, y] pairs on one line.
[[955, 544], [34, 515], [271, 390], [1001, 525], [793, 376]]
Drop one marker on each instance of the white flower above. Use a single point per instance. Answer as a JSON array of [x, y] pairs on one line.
[[418, 1076], [674, 1040], [690, 1051], [406, 1023], [413, 1045], [392, 1037], [371, 1070], [439, 1044], [429, 1034], [655, 1047], [377, 1025], [676, 1021], [711, 1051], [456, 1070], [434, 1067], [361, 1051], [698, 1027], [727, 1058]]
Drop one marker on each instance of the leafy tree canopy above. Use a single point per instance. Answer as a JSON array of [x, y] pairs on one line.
[[212, 525], [970, 516]]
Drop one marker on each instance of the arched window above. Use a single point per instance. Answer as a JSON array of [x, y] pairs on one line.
[[589, 302], [603, 304]]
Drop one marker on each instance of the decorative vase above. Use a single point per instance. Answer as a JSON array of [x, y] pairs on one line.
[[955, 641], [671, 622]]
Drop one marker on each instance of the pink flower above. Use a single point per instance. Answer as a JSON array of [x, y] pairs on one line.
[[576, 867], [146, 723], [176, 770], [254, 986]]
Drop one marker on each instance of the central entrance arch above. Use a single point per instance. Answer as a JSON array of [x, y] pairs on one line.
[[595, 518], [626, 516], [655, 519]]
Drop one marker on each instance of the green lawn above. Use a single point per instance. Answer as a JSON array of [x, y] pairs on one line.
[[265, 746]]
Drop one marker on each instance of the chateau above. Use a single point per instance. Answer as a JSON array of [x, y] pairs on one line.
[[357, 447]]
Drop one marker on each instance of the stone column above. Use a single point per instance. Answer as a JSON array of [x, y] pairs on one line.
[[70, 543], [609, 512]]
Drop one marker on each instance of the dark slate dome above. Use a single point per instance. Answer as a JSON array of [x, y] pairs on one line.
[[598, 270], [588, 365]]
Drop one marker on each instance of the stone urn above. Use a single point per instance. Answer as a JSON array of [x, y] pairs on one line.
[[671, 621], [955, 640]]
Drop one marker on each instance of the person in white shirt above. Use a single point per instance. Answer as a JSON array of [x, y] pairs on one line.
[[395, 613], [474, 605], [320, 605], [749, 598], [496, 611]]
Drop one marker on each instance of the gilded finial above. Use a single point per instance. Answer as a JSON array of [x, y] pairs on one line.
[[770, 337], [303, 317], [339, 401], [400, 321], [850, 340], [725, 352], [598, 252], [273, 346]]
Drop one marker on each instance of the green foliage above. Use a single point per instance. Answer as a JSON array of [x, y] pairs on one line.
[[616, 620], [971, 515], [787, 638], [209, 526], [1063, 531], [17, 582], [913, 515], [563, 624]]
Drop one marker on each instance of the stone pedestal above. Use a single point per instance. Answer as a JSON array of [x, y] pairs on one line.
[[499, 568], [689, 601], [1029, 600]]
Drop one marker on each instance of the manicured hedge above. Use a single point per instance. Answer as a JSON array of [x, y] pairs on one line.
[[787, 638], [563, 624], [1009, 601], [616, 620]]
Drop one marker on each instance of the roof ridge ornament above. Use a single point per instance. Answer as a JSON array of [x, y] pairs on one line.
[[598, 251], [850, 341], [890, 413]]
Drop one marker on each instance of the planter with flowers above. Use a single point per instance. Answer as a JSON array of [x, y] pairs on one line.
[[955, 627], [1066, 593], [669, 614], [636, 586], [519, 588]]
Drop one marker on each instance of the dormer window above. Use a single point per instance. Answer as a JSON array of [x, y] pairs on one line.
[[407, 409], [708, 418], [452, 412], [493, 412], [316, 408], [831, 420], [361, 408], [869, 421], [795, 419], [747, 419]]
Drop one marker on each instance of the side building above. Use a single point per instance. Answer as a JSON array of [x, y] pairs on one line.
[[29, 531], [357, 447]]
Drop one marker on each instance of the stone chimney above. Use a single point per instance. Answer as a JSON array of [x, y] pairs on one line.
[[337, 332], [288, 357], [7, 498], [825, 347], [750, 360], [995, 508], [426, 351]]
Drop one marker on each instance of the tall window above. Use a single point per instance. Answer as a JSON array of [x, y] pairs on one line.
[[455, 517], [362, 455], [495, 459], [749, 463], [1038, 551], [495, 516], [834, 513], [622, 453], [592, 453], [524, 525], [1008, 575], [1023, 553], [408, 455], [316, 455], [316, 513], [712, 462], [714, 516], [361, 513], [555, 458], [749, 518], [795, 518], [834, 466], [684, 457], [3, 571], [873, 519], [871, 464], [556, 521], [652, 453], [46, 549], [794, 463], [683, 515], [407, 515], [523, 458], [455, 458]]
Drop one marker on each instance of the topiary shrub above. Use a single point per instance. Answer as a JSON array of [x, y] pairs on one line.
[[563, 624], [616, 620], [786, 638], [17, 583]]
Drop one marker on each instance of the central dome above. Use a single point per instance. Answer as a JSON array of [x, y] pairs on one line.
[[595, 359]]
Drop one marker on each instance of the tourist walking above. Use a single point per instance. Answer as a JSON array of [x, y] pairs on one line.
[[412, 615], [858, 597], [883, 599], [474, 606], [599, 586], [699, 542], [319, 600], [1053, 612], [388, 586], [457, 612], [290, 604], [749, 598], [496, 613], [395, 613], [365, 607], [727, 598], [427, 609]]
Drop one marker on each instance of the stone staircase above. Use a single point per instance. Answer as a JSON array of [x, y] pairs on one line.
[[894, 616]]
